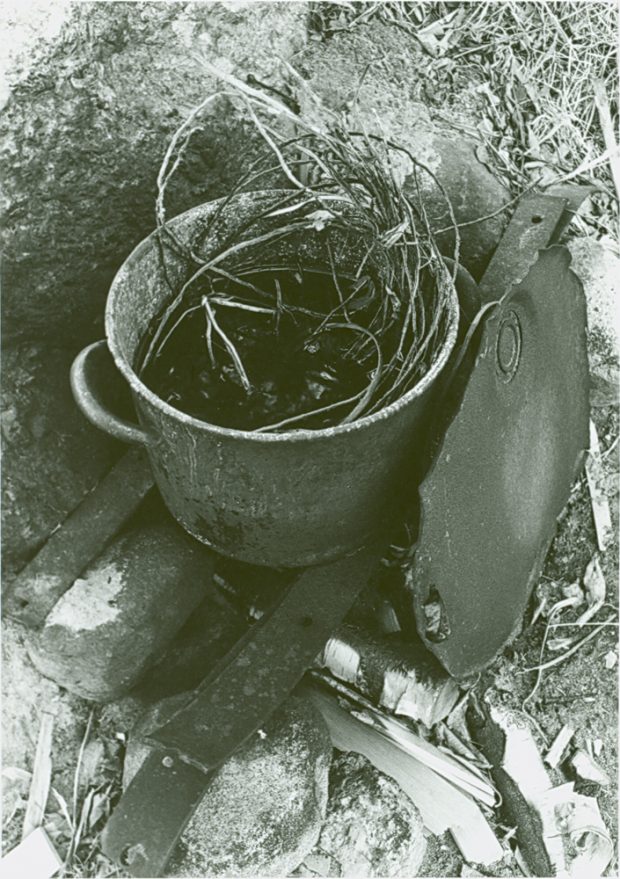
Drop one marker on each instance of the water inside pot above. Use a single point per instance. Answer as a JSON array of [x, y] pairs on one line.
[[297, 358]]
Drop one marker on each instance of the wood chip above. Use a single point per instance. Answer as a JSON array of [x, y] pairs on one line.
[[34, 858], [41, 776], [595, 589], [578, 820], [598, 498], [442, 806], [557, 749], [594, 582], [587, 769]]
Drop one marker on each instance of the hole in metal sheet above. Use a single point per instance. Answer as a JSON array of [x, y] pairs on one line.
[[132, 855], [436, 623]]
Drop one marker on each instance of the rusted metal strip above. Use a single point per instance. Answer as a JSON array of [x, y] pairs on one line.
[[533, 226], [230, 705]]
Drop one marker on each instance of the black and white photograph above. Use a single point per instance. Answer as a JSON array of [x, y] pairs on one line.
[[310, 413]]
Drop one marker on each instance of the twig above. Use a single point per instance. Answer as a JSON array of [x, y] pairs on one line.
[[553, 662]]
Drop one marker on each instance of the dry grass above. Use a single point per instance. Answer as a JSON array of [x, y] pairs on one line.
[[344, 188], [535, 68]]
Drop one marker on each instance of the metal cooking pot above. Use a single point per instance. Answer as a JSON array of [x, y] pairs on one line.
[[287, 499]]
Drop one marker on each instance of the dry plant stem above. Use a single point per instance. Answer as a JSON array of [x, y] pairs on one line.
[[357, 197], [602, 105], [203, 269], [41, 776], [358, 410], [234, 356], [76, 789], [174, 327], [559, 659], [301, 417]]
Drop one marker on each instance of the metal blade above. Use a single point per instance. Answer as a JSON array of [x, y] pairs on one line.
[[504, 470], [230, 705]]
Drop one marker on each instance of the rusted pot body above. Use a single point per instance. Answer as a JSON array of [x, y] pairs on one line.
[[286, 499]]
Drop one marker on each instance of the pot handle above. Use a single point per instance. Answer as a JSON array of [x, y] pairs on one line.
[[89, 370]]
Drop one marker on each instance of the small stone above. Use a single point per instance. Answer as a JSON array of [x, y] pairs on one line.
[[112, 624], [611, 659], [372, 828], [597, 264], [262, 812]]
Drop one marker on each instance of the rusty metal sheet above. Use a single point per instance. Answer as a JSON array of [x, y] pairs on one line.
[[504, 469]]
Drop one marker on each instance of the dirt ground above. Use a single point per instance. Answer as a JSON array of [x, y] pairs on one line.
[[464, 83]]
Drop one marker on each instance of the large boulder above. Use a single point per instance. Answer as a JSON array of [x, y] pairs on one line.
[[52, 456], [373, 76], [84, 134], [263, 811]]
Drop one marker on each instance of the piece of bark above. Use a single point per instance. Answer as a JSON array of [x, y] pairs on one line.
[[442, 806], [459, 772], [81, 537], [559, 746], [397, 674], [552, 822], [522, 779]]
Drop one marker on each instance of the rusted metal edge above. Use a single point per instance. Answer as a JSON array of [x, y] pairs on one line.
[[230, 705], [536, 222], [80, 538]]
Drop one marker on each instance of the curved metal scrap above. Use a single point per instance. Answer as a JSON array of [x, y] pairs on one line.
[[504, 470]]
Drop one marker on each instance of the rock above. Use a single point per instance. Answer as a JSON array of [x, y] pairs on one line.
[[52, 456], [372, 828], [209, 633], [597, 264], [85, 131], [24, 694], [262, 812], [119, 616], [392, 100]]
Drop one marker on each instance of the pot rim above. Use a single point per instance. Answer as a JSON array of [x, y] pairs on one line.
[[141, 390]]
